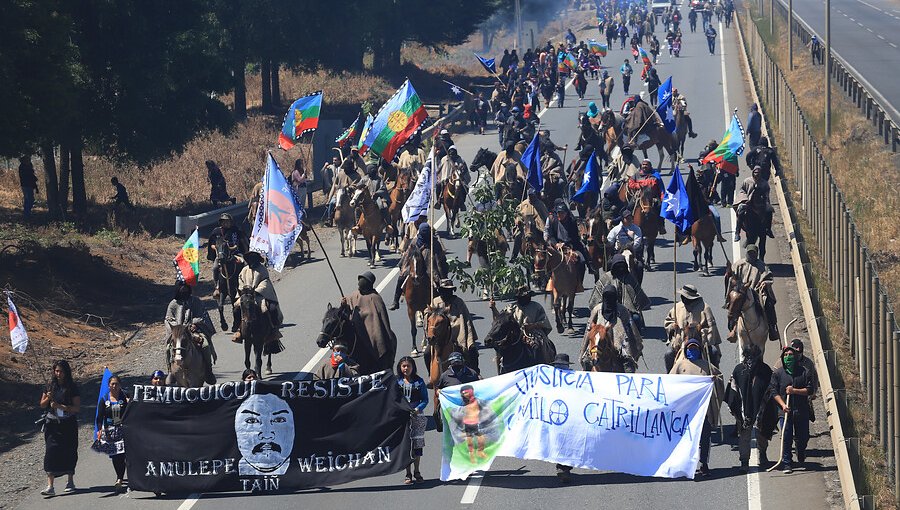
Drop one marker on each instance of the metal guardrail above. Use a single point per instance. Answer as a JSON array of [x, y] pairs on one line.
[[864, 309], [184, 225], [878, 110]]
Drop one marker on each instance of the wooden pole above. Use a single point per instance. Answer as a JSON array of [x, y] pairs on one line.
[[327, 259]]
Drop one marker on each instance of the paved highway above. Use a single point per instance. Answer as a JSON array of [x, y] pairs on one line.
[[714, 86]]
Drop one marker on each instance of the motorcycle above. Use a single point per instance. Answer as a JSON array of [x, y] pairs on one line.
[[676, 48]]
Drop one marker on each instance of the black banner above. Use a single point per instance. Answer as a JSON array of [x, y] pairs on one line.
[[265, 436]]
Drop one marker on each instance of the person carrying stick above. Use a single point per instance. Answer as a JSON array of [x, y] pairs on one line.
[[791, 386]]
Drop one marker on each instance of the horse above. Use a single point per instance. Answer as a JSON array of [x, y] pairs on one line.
[[747, 322], [303, 239], [187, 368], [256, 330], [594, 233], [663, 140], [646, 217], [703, 235], [227, 283], [754, 229], [398, 198], [602, 353], [563, 284], [344, 220], [417, 291], [513, 352], [481, 248], [370, 224], [339, 326], [452, 200]]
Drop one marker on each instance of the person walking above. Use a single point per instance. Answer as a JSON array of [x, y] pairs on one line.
[[746, 396], [754, 126], [606, 88], [693, 363], [791, 386], [218, 187], [560, 92], [28, 181], [109, 434], [62, 400], [121, 196], [711, 34], [416, 393], [626, 71]]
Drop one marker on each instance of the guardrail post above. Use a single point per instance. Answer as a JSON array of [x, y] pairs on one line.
[[895, 340], [878, 360], [882, 369], [862, 357], [868, 296], [889, 392]]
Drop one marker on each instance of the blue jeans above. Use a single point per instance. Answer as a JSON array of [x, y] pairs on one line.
[[795, 430], [711, 41], [28, 201]]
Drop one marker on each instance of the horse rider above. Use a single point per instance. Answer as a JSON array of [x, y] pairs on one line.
[[630, 293], [647, 178], [693, 363], [626, 235], [626, 335], [187, 310], [347, 176], [725, 179], [531, 216], [637, 116], [764, 157], [369, 309], [412, 157], [691, 317], [706, 179], [531, 317], [454, 167], [442, 144], [255, 276], [462, 328], [680, 102], [747, 398], [752, 272], [423, 240], [611, 205], [625, 165], [508, 156], [754, 195], [561, 230], [339, 365], [226, 239], [377, 190], [355, 161]]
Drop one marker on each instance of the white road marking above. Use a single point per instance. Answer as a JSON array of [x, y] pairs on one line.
[[189, 502], [892, 44], [851, 19], [870, 5], [869, 29], [881, 37]]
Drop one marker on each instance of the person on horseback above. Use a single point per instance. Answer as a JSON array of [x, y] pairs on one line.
[[442, 144], [680, 102], [625, 165], [725, 179], [508, 156], [377, 190], [626, 335], [630, 293], [754, 195], [256, 276], [764, 157], [693, 363], [611, 205], [185, 309], [355, 161], [347, 175], [626, 235], [368, 309], [647, 178], [691, 317], [561, 230], [225, 240], [412, 157], [531, 216], [752, 272], [532, 318], [462, 329], [340, 364], [453, 164]]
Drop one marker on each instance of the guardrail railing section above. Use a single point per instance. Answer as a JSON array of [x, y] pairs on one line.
[[865, 311]]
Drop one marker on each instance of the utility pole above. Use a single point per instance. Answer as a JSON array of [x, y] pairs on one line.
[[827, 69], [791, 35], [518, 23]]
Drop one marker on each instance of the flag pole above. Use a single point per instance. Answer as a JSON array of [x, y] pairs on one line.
[[327, 259], [457, 86], [431, 202]]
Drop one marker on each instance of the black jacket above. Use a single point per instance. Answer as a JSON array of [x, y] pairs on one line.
[[749, 399]]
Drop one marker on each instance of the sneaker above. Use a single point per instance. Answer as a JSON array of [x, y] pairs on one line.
[[70, 488], [786, 469], [117, 486], [703, 470], [737, 238], [394, 306], [48, 492]]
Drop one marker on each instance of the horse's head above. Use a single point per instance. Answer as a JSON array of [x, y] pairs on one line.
[[437, 327], [649, 198], [360, 196], [342, 197], [540, 255], [601, 345], [483, 158], [738, 299], [184, 341], [333, 324], [504, 332]]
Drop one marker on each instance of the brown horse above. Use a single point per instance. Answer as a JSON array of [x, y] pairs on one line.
[[186, 366], [594, 232], [452, 200], [601, 355], [416, 291], [440, 345], [662, 139], [398, 197], [703, 234], [563, 284], [646, 216], [370, 224], [344, 220]]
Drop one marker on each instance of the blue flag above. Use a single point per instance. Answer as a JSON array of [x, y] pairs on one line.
[[419, 200], [665, 108], [531, 159], [456, 91], [279, 218], [104, 391], [591, 180], [677, 204], [487, 63]]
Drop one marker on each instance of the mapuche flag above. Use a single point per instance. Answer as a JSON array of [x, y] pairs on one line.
[[597, 48], [301, 118], [17, 333], [725, 156], [645, 57], [279, 217], [397, 120], [348, 135], [187, 261]]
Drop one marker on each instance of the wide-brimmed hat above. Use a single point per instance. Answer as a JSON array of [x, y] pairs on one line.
[[689, 292], [368, 275], [561, 359], [523, 291], [752, 247], [691, 341], [447, 283]]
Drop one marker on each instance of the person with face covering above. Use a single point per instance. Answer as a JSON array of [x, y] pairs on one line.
[[458, 373], [508, 156], [693, 363], [462, 328], [256, 276], [752, 272], [691, 317], [530, 315], [454, 167], [626, 336], [630, 294], [377, 190], [625, 165], [791, 386], [422, 243], [369, 310], [748, 399], [188, 310], [339, 364]]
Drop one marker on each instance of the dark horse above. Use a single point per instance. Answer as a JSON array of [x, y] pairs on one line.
[[513, 351], [256, 330], [227, 284], [754, 226], [339, 326]]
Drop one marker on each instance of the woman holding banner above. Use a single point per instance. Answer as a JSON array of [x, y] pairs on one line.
[[62, 401]]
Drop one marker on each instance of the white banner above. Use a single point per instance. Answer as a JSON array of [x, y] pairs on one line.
[[642, 424], [17, 333]]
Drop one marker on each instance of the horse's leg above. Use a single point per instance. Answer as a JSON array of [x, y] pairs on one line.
[[413, 330], [221, 305], [269, 364], [376, 244], [697, 251], [557, 312], [247, 346], [571, 300], [371, 251]]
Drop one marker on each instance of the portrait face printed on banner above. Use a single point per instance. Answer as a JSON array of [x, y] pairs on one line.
[[264, 425]]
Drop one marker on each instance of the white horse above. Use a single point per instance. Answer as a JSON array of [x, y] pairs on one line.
[[747, 321]]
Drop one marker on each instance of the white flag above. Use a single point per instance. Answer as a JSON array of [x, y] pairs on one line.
[[420, 199], [16, 329]]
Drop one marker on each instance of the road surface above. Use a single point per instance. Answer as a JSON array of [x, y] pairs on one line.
[[714, 86]]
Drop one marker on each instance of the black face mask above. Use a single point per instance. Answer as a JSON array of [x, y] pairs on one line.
[[182, 296], [446, 295], [365, 286], [521, 301]]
